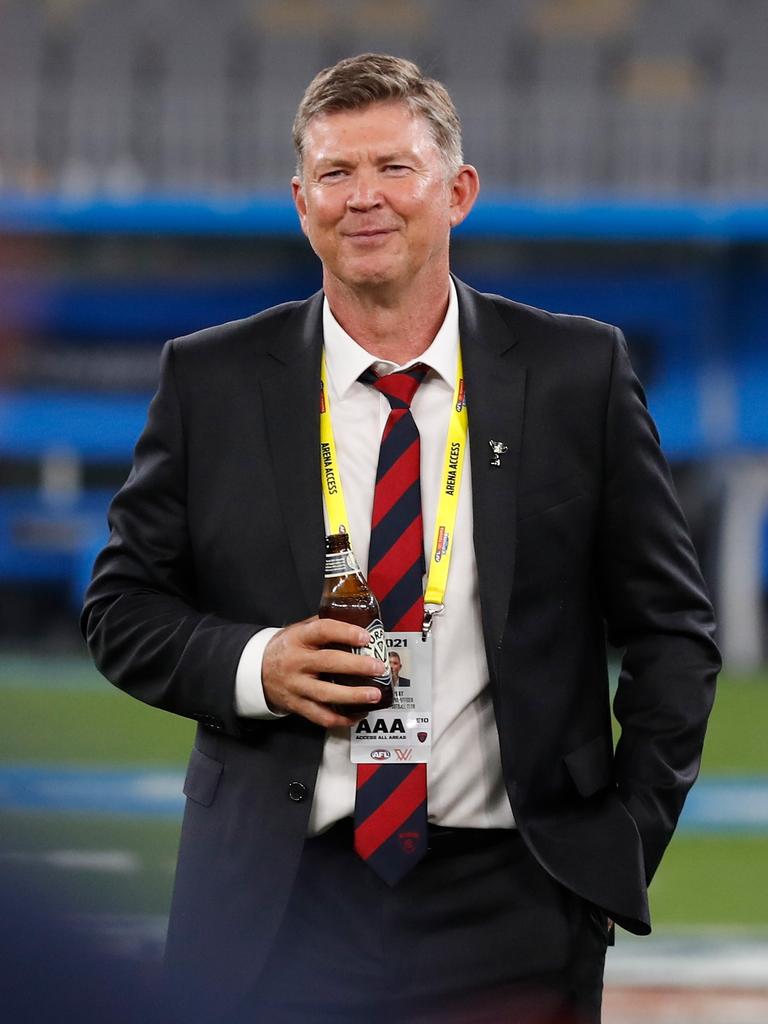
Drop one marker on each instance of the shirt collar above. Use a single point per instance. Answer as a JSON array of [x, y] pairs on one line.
[[346, 360]]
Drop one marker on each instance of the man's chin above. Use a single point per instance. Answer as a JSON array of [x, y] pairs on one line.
[[370, 275]]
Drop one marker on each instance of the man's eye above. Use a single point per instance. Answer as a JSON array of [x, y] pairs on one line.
[[337, 172], [396, 168]]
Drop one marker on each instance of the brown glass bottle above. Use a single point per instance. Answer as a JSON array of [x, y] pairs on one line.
[[348, 598]]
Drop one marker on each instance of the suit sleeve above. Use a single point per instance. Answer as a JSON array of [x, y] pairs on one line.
[[140, 619], [656, 608]]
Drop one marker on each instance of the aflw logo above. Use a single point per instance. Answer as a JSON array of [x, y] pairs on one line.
[[403, 755]]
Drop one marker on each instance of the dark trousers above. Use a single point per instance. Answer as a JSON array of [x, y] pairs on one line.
[[476, 933]]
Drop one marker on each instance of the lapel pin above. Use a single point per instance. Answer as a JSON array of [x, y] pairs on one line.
[[498, 448]]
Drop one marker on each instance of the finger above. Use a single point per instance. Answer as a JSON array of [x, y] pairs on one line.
[[322, 632], [304, 684], [324, 692], [289, 651], [342, 663]]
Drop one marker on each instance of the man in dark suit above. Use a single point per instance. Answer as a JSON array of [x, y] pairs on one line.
[[203, 604]]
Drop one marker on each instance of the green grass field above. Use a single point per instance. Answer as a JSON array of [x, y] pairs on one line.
[[59, 711]]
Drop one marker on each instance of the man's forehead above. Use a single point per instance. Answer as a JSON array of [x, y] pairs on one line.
[[390, 124]]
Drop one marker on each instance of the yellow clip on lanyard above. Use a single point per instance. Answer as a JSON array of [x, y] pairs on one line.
[[450, 483]]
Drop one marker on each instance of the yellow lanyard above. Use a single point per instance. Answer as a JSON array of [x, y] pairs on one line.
[[450, 483]]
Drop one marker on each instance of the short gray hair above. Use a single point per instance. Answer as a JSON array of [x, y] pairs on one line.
[[357, 82]]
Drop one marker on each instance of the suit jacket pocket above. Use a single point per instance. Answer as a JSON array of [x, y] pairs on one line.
[[202, 780], [540, 499], [591, 766]]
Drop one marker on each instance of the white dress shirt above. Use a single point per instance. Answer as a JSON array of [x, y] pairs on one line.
[[466, 787]]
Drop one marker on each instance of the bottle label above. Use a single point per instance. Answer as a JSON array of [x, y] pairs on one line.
[[377, 649], [339, 563]]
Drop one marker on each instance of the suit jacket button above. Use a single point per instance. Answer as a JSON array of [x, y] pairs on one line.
[[297, 791]]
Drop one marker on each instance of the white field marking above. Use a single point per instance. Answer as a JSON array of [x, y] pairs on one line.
[[140, 786], [694, 959], [158, 786], [92, 789], [725, 804], [118, 862], [715, 806]]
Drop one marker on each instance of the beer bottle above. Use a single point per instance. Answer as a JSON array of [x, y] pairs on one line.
[[347, 597]]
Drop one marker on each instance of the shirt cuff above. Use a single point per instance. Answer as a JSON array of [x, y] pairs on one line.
[[250, 701]]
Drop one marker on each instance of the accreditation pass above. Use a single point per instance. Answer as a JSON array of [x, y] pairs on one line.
[[402, 733]]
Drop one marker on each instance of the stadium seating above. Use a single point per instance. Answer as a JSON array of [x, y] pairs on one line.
[[622, 95]]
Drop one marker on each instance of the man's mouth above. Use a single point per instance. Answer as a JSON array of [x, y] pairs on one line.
[[369, 232]]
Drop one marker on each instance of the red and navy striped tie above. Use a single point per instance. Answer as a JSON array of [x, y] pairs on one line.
[[391, 803]]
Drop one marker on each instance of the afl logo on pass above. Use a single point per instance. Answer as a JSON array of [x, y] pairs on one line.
[[380, 755]]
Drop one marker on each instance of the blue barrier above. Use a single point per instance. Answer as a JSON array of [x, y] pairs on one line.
[[716, 806], [96, 428], [46, 541], [497, 215], [105, 429]]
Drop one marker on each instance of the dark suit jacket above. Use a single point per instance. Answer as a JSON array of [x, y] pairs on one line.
[[219, 531]]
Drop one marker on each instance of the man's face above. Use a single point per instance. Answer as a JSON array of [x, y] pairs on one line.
[[395, 664], [375, 201]]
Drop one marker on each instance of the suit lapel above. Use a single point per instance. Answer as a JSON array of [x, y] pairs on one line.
[[291, 394], [495, 387]]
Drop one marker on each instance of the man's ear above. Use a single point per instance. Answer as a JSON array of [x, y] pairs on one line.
[[465, 189], [299, 201]]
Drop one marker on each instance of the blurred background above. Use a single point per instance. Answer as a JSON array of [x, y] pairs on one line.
[[144, 165]]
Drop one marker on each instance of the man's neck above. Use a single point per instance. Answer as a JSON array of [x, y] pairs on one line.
[[393, 327]]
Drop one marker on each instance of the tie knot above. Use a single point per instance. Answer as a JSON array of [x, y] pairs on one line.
[[400, 386]]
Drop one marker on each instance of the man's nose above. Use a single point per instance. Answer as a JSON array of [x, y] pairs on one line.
[[365, 193]]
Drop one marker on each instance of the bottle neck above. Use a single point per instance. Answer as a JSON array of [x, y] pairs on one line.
[[341, 563]]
